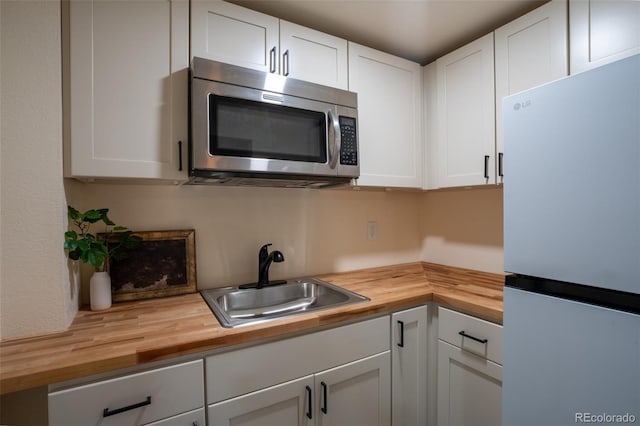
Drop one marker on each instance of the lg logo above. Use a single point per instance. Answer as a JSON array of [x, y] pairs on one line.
[[518, 105]]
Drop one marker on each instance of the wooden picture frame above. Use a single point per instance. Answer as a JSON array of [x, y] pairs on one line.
[[162, 264]]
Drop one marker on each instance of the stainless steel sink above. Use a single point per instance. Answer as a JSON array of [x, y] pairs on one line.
[[234, 306]]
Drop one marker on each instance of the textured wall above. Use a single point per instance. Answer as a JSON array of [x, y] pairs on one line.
[[34, 282]]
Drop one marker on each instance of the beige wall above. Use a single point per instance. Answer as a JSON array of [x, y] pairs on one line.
[[35, 295], [317, 231], [463, 227]]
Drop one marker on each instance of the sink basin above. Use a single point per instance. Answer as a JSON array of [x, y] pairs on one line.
[[234, 306]]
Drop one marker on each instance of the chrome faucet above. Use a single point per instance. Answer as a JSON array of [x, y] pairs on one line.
[[264, 262]]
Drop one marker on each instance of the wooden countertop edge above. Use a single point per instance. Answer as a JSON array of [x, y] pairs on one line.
[[385, 303]]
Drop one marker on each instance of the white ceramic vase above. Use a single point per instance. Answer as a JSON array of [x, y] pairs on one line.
[[100, 291]]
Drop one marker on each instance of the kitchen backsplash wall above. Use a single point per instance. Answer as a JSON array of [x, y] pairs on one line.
[[318, 231], [463, 228]]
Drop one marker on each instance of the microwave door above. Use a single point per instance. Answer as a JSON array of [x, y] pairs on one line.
[[252, 130]]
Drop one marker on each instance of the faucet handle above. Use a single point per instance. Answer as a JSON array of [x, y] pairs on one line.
[[264, 251]]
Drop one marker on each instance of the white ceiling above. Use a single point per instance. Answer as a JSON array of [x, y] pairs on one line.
[[419, 30]]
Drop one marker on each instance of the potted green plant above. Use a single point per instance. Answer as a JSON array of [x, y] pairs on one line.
[[87, 248]]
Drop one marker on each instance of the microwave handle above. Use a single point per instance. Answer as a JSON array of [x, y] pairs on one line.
[[334, 148]]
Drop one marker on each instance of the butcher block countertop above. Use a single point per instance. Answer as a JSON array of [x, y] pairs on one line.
[[134, 333]]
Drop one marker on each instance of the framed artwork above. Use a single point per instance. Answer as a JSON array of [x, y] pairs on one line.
[[162, 264]]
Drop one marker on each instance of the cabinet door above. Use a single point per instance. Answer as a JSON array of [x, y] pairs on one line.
[[529, 51], [602, 31], [469, 388], [466, 115], [310, 55], [355, 394], [390, 117], [128, 85], [287, 404], [229, 33], [409, 367]]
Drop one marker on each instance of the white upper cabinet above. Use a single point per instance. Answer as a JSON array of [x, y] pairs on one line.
[[466, 111], [529, 51], [128, 82], [390, 117], [602, 31], [229, 33], [310, 55]]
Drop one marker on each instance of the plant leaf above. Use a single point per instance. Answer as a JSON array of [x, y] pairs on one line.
[[73, 213]]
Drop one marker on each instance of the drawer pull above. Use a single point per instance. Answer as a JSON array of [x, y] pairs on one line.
[[463, 334], [106, 412]]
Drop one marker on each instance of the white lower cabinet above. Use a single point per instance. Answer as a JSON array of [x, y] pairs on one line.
[[340, 376], [355, 394], [173, 394], [289, 403], [352, 394], [409, 367], [369, 373], [469, 373]]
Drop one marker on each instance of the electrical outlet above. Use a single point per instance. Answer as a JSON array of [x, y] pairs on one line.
[[372, 230]]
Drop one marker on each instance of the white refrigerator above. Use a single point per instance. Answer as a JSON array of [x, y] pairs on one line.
[[572, 244]]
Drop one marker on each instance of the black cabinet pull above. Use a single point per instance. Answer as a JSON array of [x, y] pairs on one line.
[[310, 402], [401, 342], [106, 412], [324, 397], [486, 167], [463, 334], [179, 156], [500, 172]]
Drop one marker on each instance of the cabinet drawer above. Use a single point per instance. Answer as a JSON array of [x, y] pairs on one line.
[[246, 370], [161, 393], [192, 418], [462, 331]]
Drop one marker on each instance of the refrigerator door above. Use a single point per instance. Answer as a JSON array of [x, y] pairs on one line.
[[568, 363], [572, 179]]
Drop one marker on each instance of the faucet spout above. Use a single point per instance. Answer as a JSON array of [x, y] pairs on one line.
[[264, 262]]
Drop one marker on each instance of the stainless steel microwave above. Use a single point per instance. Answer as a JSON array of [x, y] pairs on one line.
[[256, 128]]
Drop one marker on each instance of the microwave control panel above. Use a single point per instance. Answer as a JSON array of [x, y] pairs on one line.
[[349, 146]]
